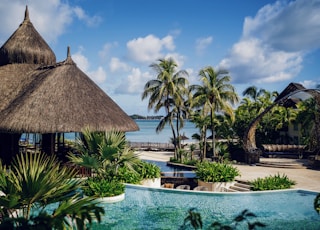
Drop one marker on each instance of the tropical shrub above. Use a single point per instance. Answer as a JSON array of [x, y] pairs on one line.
[[34, 181], [272, 183], [216, 172], [104, 153], [149, 170], [97, 187], [126, 175]]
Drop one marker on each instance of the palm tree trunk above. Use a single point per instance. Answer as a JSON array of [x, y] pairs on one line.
[[213, 135]]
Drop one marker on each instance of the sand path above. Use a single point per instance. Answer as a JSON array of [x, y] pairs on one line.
[[308, 179]]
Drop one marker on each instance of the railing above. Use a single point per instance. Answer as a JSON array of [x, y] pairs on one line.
[[152, 146]]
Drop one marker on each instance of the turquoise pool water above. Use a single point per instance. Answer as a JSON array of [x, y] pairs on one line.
[[146, 208]]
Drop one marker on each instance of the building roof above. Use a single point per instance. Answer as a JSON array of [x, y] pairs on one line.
[[56, 97], [26, 46]]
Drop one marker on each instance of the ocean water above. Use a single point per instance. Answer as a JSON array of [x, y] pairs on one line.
[[147, 132]]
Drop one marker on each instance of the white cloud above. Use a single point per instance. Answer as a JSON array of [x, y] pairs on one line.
[[202, 44], [99, 75], [81, 61], [134, 83], [150, 48], [42, 13], [117, 65], [252, 61], [291, 27], [90, 21], [274, 42], [310, 84], [178, 58], [106, 49]]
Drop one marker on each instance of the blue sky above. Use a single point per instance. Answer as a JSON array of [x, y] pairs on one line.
[[263, 43]]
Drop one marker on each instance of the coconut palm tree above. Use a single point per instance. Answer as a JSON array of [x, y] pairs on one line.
[[35, 181], [253, 92], [201, 121], [166, 92], [215, 94]]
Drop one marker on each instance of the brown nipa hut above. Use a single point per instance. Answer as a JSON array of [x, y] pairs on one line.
[[40, 95]]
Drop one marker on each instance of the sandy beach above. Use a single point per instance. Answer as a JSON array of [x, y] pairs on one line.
[[308, 179]]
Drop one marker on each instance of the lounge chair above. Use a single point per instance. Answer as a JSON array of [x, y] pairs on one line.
[[201, 188], [184, 186]]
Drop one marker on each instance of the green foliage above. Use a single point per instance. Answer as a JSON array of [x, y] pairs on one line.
[[104, 153], [97, 187], [126, 175], [222, 152], [192, 162], [149, 170], [316, 204], [174, 160], [36, 181], [216, 172], [272, 183], [194, 220]]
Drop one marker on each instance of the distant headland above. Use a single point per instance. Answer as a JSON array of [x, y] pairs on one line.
[[140, 117]]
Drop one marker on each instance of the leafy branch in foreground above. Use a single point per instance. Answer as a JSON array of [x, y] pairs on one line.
[[194, 220], [32, 184]]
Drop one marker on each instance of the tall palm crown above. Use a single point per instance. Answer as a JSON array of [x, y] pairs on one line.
[[166, 91], [162, 89], [215, 94]]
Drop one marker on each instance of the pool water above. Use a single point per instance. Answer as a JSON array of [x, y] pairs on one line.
[[173, 171], [148, 208]]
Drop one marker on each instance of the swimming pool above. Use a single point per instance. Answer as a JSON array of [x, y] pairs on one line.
[[173, 171], [148, 208]]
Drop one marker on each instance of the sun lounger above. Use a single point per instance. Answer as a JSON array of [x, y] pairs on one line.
[[184, 186], [201, 188]]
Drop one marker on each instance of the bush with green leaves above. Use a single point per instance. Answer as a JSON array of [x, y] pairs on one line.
[[98, 187], [272, 183], [216, 172], [35, 181], [129, 176], [149, 170]]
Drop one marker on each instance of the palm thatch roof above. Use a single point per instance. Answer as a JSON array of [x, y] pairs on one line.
[[61, 98], [292, 87], [13, 79], [26, 46]]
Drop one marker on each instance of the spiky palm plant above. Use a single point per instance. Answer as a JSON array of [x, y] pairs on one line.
[[35, 181], [104, 152]]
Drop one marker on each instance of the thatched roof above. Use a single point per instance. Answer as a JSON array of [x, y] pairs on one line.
[[292, 87], [26, 46], [13, 79], [61, 98]]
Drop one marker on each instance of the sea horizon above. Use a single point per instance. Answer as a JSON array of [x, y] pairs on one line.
[[147, 132]]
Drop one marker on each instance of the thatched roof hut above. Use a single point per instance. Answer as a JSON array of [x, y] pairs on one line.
[[26, 46], [61, 98], [38, 95]]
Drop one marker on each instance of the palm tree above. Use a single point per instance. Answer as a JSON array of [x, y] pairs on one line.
[[215, 95], [253, 92], [201, 121], [35, 181], [104, 152], [167, 92], [307, 117]]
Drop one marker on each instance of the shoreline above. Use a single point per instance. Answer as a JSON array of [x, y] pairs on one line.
[[308, 179]]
